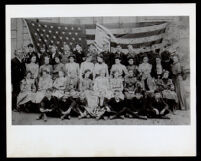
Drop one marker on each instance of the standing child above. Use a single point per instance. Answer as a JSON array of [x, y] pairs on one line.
[[132, 66], [58, 66], [72, 72], [33, 67], [119, 67]]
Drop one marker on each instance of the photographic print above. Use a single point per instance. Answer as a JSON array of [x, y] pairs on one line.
[[101, 80], [100, 70]]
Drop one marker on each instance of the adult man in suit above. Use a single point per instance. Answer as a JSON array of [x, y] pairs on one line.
[[17, 74]]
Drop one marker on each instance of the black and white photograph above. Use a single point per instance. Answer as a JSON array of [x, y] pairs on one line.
[[100, 70], [108, 79]]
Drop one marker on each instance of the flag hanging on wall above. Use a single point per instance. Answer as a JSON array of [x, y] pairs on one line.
[[103, 37], [45, 34], [141, 34]]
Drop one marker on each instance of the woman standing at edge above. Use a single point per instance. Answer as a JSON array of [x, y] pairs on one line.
[[178, 81]]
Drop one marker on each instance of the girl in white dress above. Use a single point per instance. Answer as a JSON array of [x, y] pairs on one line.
[[86, 65], [59, 85], [44, 83], [100, 66], [27, 90]]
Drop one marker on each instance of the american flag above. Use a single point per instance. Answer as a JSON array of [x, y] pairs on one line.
[[141, 34], [45, 34]]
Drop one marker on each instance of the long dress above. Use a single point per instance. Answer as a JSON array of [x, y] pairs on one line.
[[27, 91], [179, 86], [43, 85], [33, 68], [72, 69], [59, 87]]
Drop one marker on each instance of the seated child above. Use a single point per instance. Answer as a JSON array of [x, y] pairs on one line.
[[135, 105], [71, 105], [27, 92], [116, 83], [86, 83], [167, 88], [59, 85], [117, 106], [44, 83], [101, 85], [129, 85], [157, 107], [48, 106]]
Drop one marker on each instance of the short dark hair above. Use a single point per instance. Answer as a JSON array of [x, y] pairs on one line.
[[30, 45]]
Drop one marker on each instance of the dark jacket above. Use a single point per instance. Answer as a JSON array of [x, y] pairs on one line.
[[18, 71], [116, 106]]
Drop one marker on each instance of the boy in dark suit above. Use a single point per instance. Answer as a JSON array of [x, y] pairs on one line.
[[48, 106]]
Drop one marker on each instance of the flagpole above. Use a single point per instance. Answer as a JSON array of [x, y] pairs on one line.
[[29, 33]]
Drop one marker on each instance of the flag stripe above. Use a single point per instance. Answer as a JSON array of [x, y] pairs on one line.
[[139, 40], [125, 25], [130, 30], [138, 45], [132, 35]]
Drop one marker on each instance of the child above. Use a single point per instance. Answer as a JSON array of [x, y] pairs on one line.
[[157, 107], [157, 68], [86, 65], [27, 90], [145, 67], [44, 83], [117, 106], [100, 65], [66, 54], [136, 104], [168, 93], [58, 66], [59, 85], [79, 54], [72, 72], [46, 66], [119, 67], [48, 105], [33, 67], [86, 83], [73, 106], [131, 66], [116, 83], [129, 85], [101, 85]]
